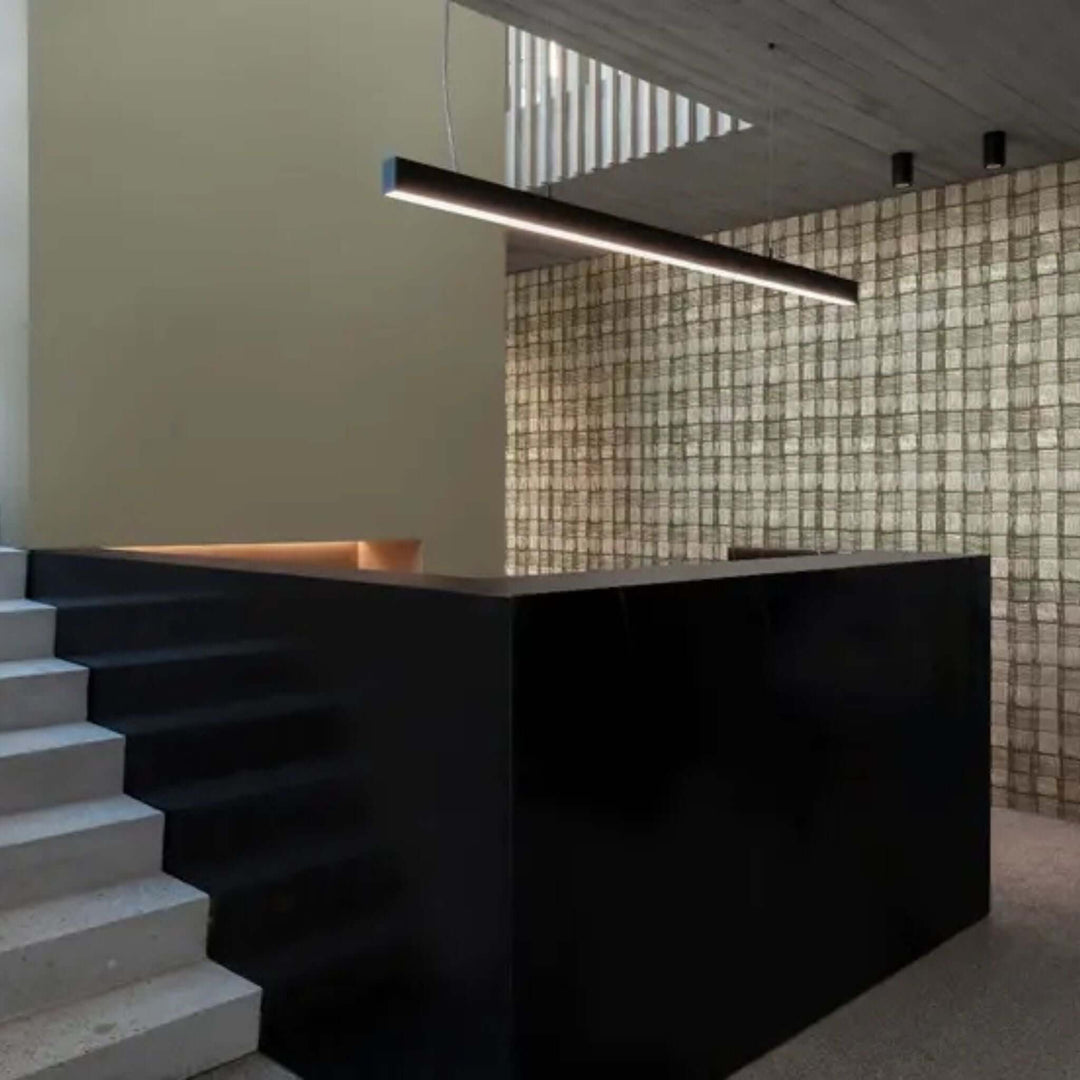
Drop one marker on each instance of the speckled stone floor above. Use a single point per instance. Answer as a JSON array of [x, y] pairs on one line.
[[1001, 1000], [253, 1067]]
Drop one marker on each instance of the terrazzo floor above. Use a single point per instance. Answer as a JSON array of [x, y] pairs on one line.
[[1001, 1000]]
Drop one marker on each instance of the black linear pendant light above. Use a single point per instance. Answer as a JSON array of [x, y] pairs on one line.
[[427, 185]]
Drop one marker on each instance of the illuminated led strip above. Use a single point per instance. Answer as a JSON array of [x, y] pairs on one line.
[[425, 185]]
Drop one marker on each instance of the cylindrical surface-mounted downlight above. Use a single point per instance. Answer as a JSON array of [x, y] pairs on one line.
[[903, 170]]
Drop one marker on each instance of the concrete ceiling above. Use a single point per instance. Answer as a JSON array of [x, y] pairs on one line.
[[851, 82]]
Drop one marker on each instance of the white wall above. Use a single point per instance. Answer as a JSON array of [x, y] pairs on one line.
[[14, 269], [236, 337]]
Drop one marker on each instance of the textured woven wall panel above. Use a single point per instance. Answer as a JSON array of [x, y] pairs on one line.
[[656, 415]]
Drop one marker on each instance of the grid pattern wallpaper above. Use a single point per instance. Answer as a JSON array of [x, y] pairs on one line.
[[656, 415]]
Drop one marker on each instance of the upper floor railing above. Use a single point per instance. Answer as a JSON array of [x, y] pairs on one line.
[[568, 114]]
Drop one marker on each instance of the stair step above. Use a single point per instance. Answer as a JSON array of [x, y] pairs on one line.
[[75, 847], [332, 949], [259, 902], [12, 573], [222, 716], [336, 971], [195, 744], [61, 763], [135, 682], [167, 1028], [26, 629], [44, 691], [146, 620], [229, 817], [179, 654], [88, 943], [269, 868]]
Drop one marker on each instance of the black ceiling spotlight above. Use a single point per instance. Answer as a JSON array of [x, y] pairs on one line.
[[994, 150], [903, 170]]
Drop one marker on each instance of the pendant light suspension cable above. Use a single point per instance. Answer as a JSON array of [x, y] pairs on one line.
[[770, 209], [447, 112]]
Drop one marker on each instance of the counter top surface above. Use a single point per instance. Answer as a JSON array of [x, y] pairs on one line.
[[581, 581]]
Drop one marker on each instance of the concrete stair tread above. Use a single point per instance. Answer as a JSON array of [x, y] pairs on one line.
[[17, 606], [103, 969], [58, 763], [77, 913], [85, 944], [27, 669], [83, 1033], [12, 572], [35, 825], [40, 691], [39, 740], [27, 629], [73, 847]]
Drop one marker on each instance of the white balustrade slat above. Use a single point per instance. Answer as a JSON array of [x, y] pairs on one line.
[[635, 119], [607, 116], [615, 82], [513, 86], [543, 90], [682, 120], [592, 161], [576, 78], [702, 122], [645, 119], [652, 135], [568, 114], [558, 113], [574, 118], [623, 132], [660, 119], [525, 172]]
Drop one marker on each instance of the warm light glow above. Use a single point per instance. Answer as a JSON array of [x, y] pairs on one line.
[[396, 555], [526, 225]]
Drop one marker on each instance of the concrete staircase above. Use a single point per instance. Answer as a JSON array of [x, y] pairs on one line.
[[103, 969]]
